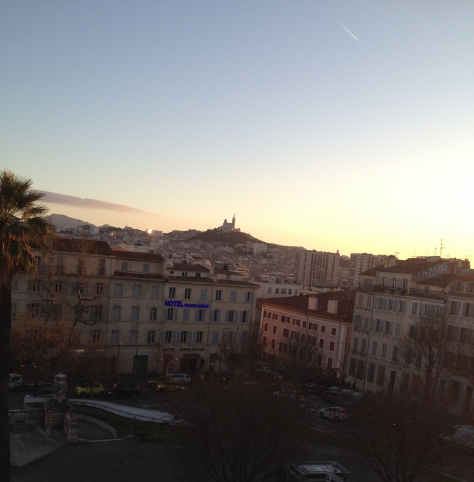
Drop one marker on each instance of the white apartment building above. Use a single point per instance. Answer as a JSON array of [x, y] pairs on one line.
[[388, 301], [323, 321], [361, 262], [317, 268], [142, 310]]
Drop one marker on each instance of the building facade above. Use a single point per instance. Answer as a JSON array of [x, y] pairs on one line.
[[360, 262], [143, 311], [317, 268]]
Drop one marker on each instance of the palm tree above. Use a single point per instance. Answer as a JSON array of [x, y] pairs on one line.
[[22, 228]]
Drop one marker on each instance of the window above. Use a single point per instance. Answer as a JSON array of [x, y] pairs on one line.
[[218, 295], [275, 316], [34, 285], [384, 350], [95, 336], [273, 344], [200, 315], [124, 266], [184, 274], [466, 309], [134, 337], [184, 336], [352, 367], [135, 313], [329, 362], [398, 329], [215, 337], [186, 314], [233, 296], [14, 310], [371, 373], [320, 360], [274, 330], [203, 295], [198, 335], [380, 375], [168, 336], [355, 343], [313, 326], [395, 353], [331, 345], [323, 329], [216, 316], [153, 313], [289, 292], [363, 347], [269, 291], [118, 290], [265, 327], [366, 324], [360, 301], [114, 338], [294, 335], [414, 308], [286, 332], [277, 291], [283, 291], [369, 301], [187, 294], [136, 291], [60, 264], [170, 314], [360, 369], [171, 293], [333, 331], [286, 319], [151, 336], [95, 312], [230, 316], [154, 291], [15, 285], [197, 275], [58, 287], [374, 348], [146, 268], [295, 322], [321, 343], [116, 313], [248, 297]]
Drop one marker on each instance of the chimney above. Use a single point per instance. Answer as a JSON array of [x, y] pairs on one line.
[[390, 261], [332, 306], [312, 303]]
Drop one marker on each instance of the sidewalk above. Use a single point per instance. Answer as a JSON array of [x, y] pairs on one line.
[[142, 414]]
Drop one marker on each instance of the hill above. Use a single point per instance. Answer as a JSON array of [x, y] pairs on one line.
[[63, 222], [213, 235]]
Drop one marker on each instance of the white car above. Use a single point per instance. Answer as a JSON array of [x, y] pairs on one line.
[[334, 413], [181, 377]]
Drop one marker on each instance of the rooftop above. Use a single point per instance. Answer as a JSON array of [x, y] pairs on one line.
[[140, 256], [79, 245], [188, 267], [410, 265]]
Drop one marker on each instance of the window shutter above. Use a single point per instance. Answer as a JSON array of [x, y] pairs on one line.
[[241, 317], [196, 315], [458, 309], [252, 297], [195, 337], [227, 316], [390, 327], [163, 337], [204, 312], [218, 316], [372, 325], [165, 314], [176, 314], [179, 337], [248, 316], [398, 329], [213, 316], [190, 337], [384, 307]]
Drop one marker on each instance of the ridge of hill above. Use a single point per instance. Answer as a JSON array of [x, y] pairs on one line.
[[234, 237], [64, 222]]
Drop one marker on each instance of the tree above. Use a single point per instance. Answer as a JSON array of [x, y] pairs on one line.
[[242, 430], [22, 228]]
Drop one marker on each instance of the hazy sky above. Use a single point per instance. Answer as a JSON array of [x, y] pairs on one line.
[[189, 111]]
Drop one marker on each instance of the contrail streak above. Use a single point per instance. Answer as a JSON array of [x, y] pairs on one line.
[[347, 31]]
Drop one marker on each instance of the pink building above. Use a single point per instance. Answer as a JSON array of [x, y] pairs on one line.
[[321, 324]]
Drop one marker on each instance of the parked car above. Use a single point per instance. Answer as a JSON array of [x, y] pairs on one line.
[[15, 381], [332, 395], [155, 381], [85, 389], [40, 393], [313, 389], [181, 377], [334, 413], [168, 386], [120, 390]]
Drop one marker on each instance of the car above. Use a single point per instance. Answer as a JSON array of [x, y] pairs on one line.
[[85, 389], [40, 393], [332, 395], [120, 390], [313, 389], [169, 386], [334, 413], [181, 377], [15, 381], [155, 381]]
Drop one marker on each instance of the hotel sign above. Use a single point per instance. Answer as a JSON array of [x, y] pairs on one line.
[[180, 304], [191, 349]]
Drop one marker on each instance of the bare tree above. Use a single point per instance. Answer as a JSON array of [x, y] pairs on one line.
[[243, 432]]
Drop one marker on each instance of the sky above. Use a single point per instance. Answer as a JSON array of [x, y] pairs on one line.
[[333, 125]]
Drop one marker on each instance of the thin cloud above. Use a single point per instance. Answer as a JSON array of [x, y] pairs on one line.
[[56, 198]]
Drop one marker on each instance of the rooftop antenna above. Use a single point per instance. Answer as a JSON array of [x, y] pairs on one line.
[[397, 253], [436, 248], [441, 247]]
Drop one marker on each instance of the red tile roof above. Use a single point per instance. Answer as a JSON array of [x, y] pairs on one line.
[[139, 256], [442, 280], [188, 267], [78, 245], [345, 308], [226, 271], [410, 265], [131, 274], [466, 277]]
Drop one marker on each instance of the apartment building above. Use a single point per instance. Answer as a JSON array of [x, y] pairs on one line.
[[389, 301], [360, 262], [323, 322], [317, 268], [141, 309]]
